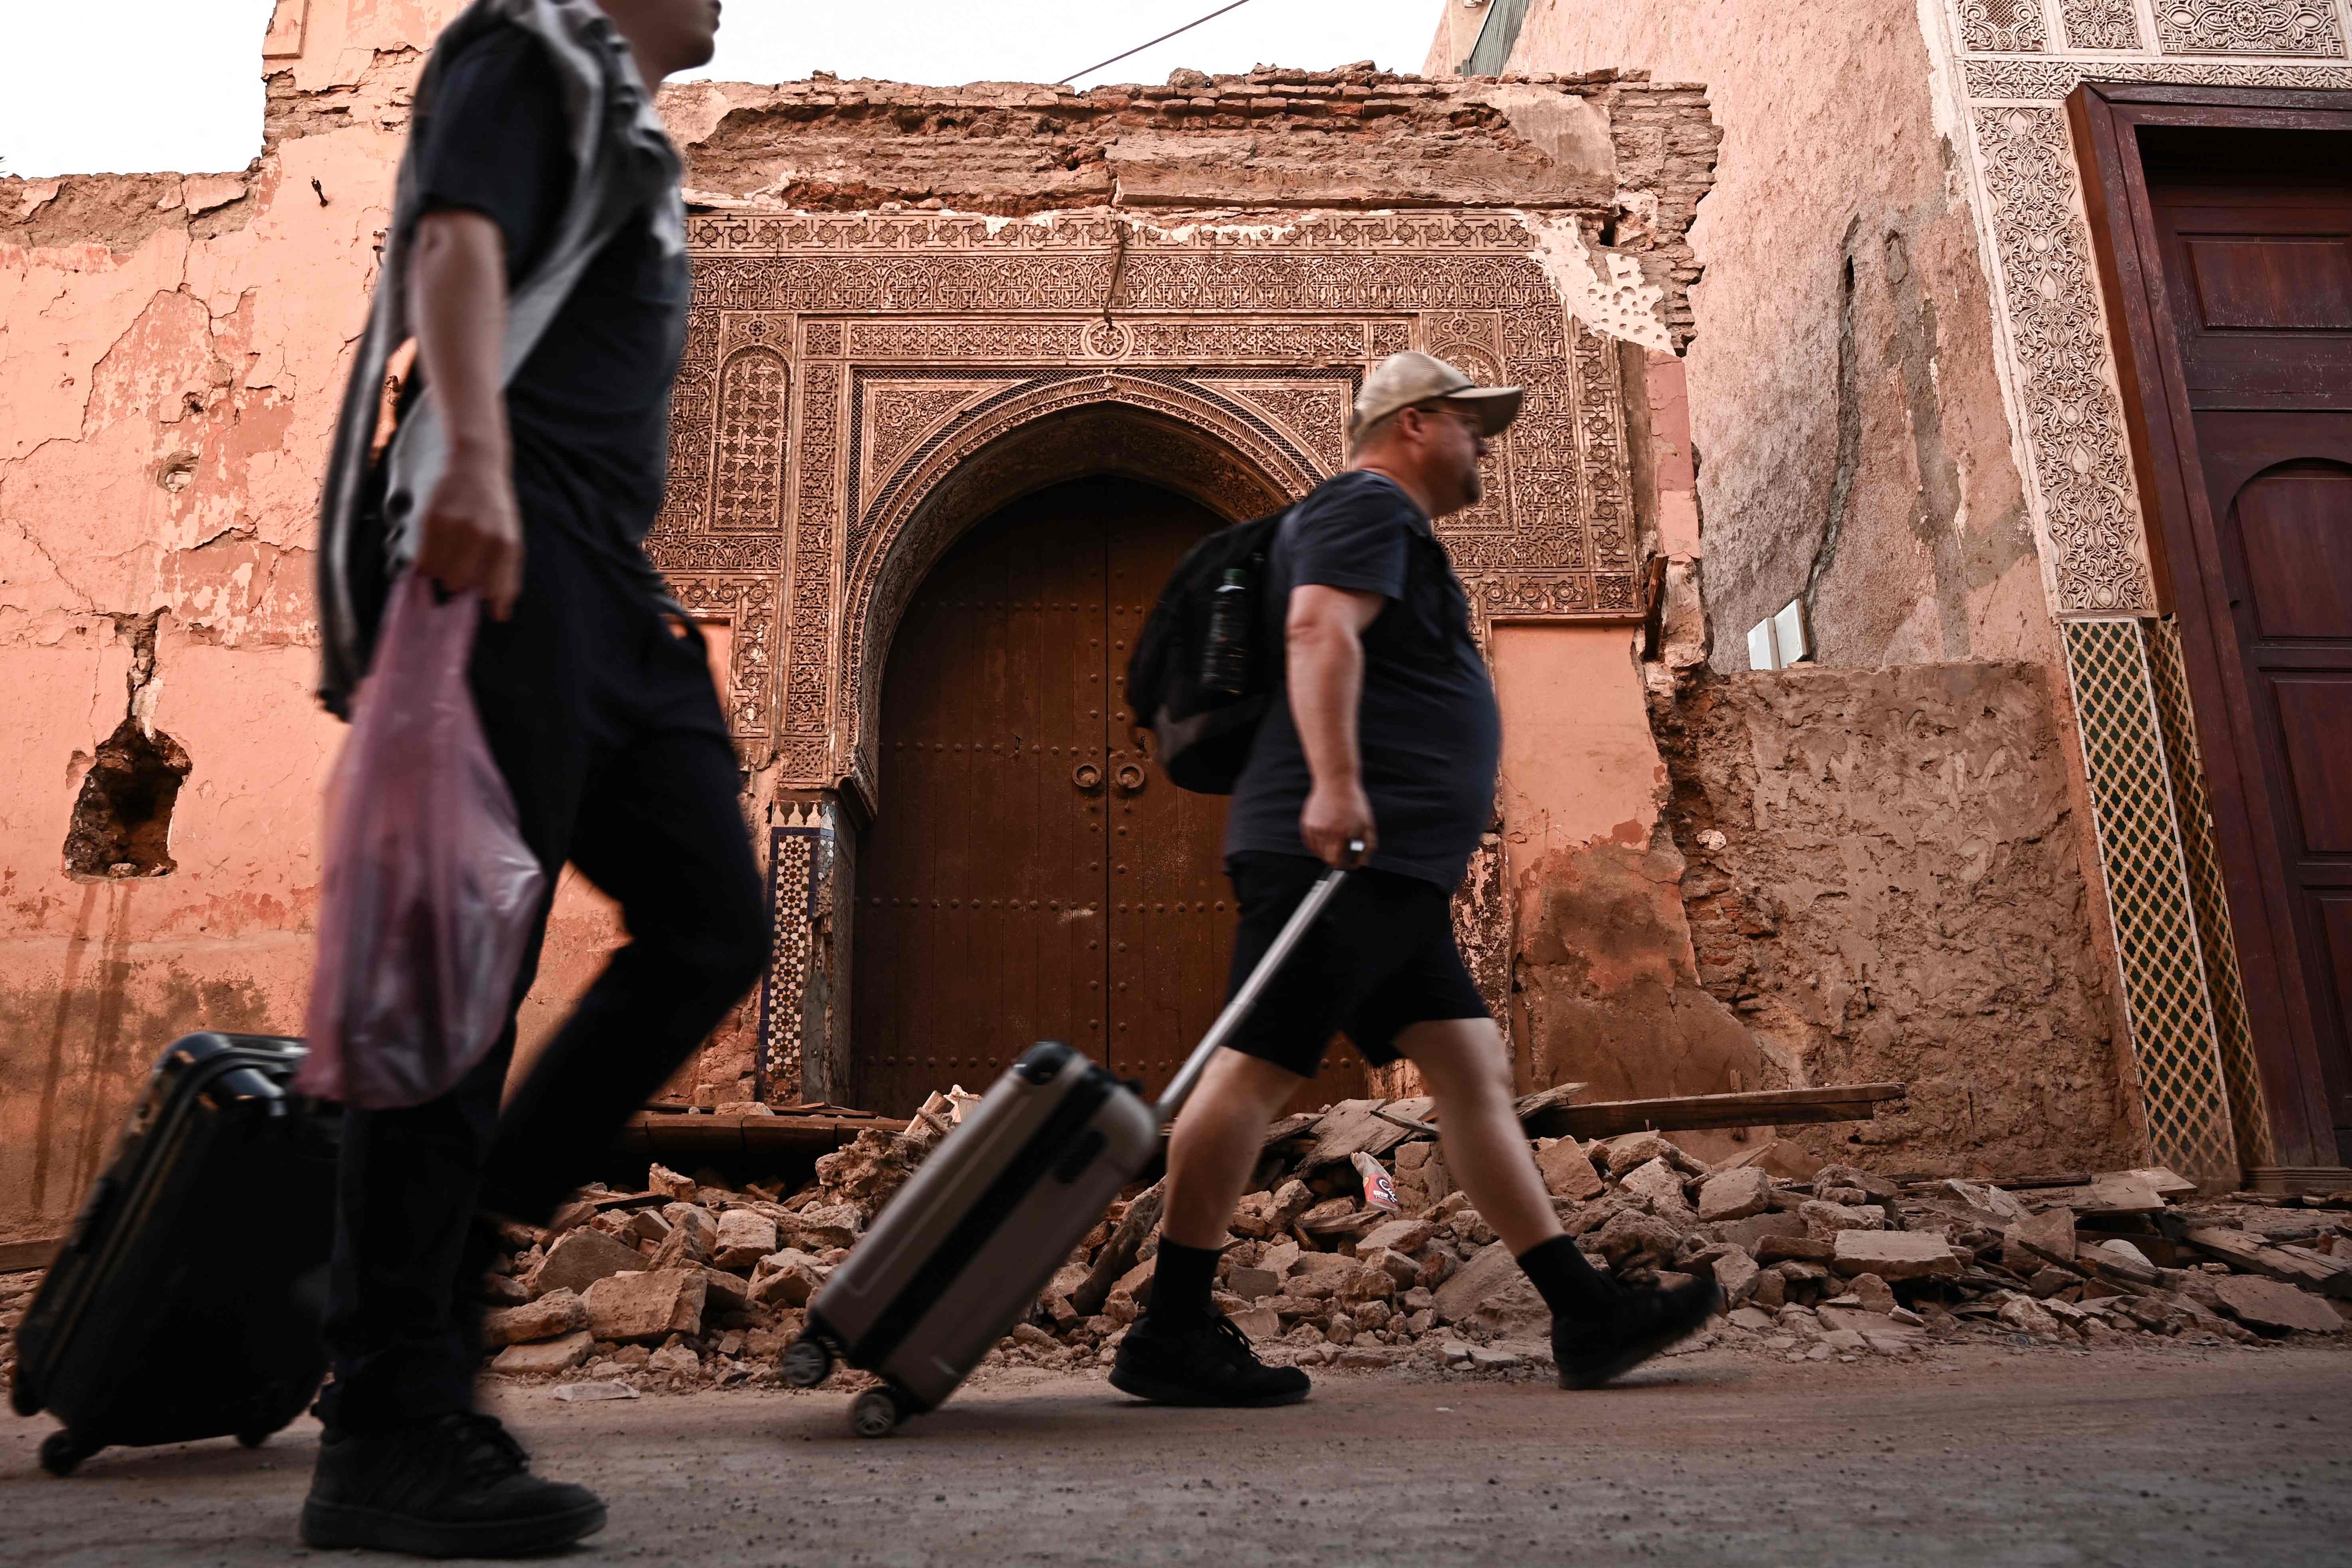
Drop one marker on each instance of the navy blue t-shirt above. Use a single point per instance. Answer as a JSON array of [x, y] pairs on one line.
[[589, 409], [1428, 730]]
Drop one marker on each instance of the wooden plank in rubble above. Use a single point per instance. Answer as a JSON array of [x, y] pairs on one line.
[[1695, 1113]]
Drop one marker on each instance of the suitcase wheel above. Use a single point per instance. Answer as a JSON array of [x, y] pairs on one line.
[[808, 1363], [875, 1414], [62, 1452]]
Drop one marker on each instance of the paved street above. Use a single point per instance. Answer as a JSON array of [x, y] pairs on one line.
[[1979, 1456]]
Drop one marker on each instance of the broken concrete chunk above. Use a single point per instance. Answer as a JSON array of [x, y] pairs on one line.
[[1631, 1149], [1734, 1193], [1895, 1254], [787, 1280], [743, 1237], [557, 1312], [545, 1358], [647, 1306], [2268, 1304], [580, 1257], [1823, 1219], [1492, 1291], [1752, 1232], [660, 1178], [1630, 1232], [2027, 1315], [1567, 1168], [673, 1358], [1658, 1181], [822, 1228], [1401, 1235], [1875, 1293], [1737, 1273], [726, 1292], [1249, 1284], [1996, 1206], [2048, 1234]]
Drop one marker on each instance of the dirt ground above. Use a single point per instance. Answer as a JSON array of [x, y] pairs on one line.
[[1978, 1455]]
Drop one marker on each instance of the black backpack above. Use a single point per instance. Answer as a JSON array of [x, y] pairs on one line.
[[1201, 725]]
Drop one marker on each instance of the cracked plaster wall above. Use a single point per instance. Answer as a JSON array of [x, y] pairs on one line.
[[172, 349], [1852, 447], [1884, 879]]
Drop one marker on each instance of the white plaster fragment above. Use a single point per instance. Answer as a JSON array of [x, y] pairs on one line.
[[1603, 288]]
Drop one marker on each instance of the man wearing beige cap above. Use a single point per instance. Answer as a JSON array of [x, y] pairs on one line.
[[1386, 733]]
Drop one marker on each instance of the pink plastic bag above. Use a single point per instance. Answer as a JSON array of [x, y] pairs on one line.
[[430, 891]]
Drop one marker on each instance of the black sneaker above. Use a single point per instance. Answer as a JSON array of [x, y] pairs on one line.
[[455, 1486], [1643, 1323], [1209, 1362]]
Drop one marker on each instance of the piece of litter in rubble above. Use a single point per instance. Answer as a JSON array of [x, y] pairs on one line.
[[1379, 1189], [571, 1391]]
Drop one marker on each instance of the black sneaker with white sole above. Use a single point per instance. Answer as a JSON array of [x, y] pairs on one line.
[[1643, 1323], [455, 1486], [1208, 1363]]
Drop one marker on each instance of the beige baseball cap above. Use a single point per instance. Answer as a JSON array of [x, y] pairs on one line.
[[1404, 380]]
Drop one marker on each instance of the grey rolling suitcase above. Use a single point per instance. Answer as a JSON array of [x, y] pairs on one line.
[[966, 1245]]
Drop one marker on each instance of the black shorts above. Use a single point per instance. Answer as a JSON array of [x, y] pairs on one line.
[[1382, 959]]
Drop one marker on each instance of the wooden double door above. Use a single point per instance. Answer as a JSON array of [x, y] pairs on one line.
[[1029, 876], [2250, 227]]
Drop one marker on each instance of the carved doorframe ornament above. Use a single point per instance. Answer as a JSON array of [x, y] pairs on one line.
[[857, 389]]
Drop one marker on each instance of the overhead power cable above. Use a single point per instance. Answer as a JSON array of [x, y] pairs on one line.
[[1162, 38]]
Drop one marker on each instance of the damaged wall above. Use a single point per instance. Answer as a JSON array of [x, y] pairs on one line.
[[172, 350], [1885, 881], [1845, 401], [170, 353]]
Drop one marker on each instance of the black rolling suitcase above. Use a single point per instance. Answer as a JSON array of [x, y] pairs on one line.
[[964, 1248], [186, 1303]]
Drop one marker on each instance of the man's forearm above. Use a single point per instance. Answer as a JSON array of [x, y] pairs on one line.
[[458, 300], [1327, 683]]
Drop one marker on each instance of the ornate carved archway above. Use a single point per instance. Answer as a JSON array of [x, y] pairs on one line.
[[858, 388], [984, 444]]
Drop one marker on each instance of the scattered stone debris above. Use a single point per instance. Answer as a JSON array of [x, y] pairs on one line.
[[693, 1283]]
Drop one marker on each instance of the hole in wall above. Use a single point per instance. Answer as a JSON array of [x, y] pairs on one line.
[[123, 820]]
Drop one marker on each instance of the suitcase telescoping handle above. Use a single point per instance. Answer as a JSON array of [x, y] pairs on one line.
[[1309, 910]]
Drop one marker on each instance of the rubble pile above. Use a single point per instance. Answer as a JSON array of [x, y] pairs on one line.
[[691, 1282]]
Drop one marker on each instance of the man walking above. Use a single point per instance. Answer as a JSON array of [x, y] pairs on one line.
[[536, 255], [1388, 735]]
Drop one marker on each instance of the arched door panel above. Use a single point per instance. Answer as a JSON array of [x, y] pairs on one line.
[[1029, 874]]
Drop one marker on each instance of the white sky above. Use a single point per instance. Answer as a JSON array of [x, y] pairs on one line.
[[130, 85]]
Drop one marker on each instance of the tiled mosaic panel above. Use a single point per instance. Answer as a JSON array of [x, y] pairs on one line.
[[2168, 1007], [792, 881], [2249, 1112]]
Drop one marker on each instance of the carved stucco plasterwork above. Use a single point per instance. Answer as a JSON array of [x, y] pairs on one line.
[[2003, 27], [2048, 81], [2100, 23], [2249, 27], [2064, 372], [860, 372]]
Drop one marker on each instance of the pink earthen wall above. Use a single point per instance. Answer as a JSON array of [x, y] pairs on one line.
[[1853, 449], [171, 352]]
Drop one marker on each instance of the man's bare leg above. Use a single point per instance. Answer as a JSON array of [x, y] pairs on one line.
[[1469, 1076], [1217, 1142]]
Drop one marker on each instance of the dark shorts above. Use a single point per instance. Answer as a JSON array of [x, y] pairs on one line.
[[1382, 959]]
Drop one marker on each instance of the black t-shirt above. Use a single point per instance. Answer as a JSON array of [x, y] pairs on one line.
[[1428, 730], [589, 409]]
